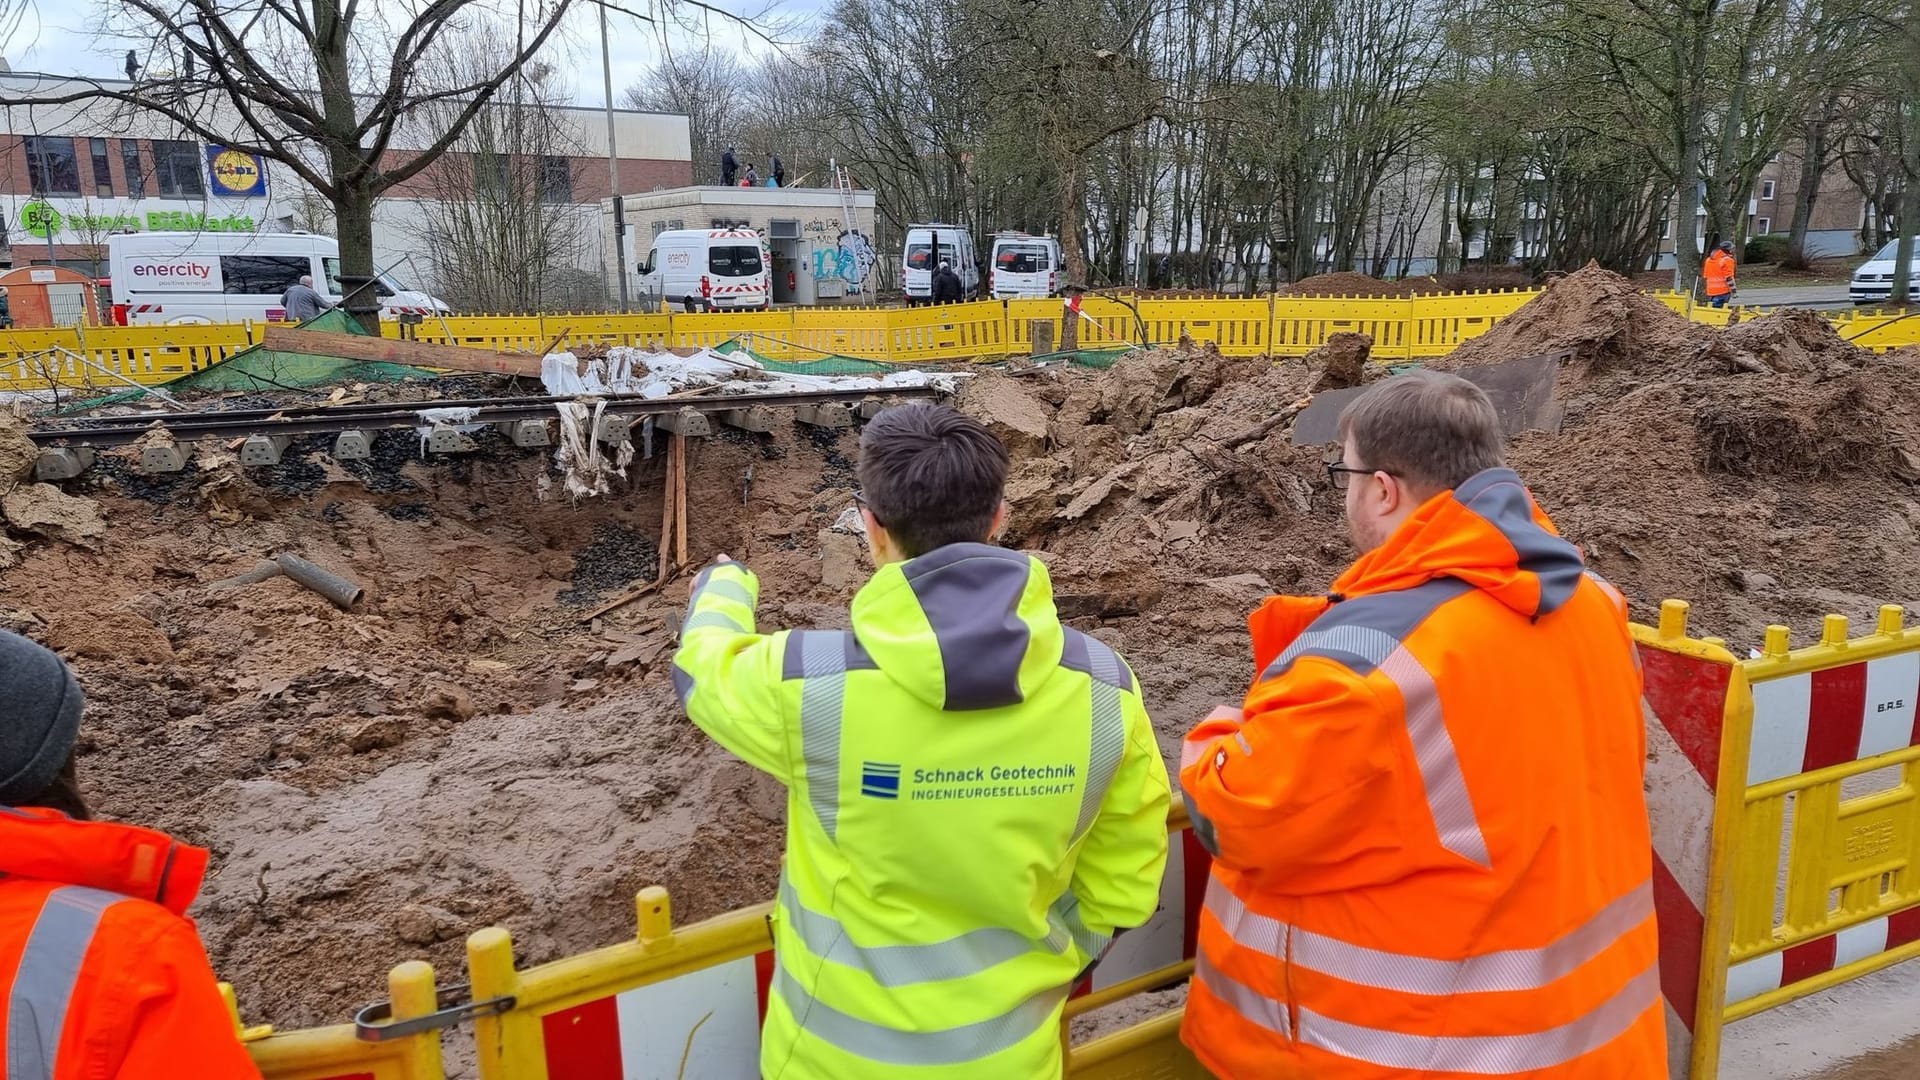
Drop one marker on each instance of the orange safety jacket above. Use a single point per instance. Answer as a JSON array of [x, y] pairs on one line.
[[101, 973], [1718, 272], [1431, 850]]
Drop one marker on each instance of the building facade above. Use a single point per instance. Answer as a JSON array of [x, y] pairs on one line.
[[73, 175], [815, 256]]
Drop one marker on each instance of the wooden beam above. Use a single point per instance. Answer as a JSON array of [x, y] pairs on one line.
[[393, 351]]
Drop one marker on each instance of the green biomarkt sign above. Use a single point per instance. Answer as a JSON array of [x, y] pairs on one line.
[[42, 220]]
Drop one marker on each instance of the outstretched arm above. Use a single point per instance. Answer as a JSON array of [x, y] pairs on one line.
[[727, 676]]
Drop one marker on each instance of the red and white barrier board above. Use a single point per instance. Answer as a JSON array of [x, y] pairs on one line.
[[1778, 970], [711, 1015], [1833, 716]]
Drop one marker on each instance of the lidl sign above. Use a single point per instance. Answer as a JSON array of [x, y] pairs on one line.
[[232, 172]]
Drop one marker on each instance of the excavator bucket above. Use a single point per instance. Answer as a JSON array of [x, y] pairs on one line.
[[1522, 393]]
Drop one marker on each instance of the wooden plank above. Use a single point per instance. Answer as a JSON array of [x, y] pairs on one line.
[[392, 351]]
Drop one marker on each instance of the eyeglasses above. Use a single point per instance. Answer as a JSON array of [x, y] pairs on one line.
[[1338, 473], [860, 500]]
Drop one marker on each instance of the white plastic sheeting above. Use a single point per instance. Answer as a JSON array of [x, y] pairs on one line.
[[626, 372]]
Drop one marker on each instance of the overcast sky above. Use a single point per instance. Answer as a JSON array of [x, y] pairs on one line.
[[54, 36]]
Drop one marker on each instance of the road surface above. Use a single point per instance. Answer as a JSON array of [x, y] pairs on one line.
[[1818, 297]]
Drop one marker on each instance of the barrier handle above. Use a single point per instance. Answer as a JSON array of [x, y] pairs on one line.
[[375, 1023]]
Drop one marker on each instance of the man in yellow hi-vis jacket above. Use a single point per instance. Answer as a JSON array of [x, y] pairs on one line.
[[976, 801]]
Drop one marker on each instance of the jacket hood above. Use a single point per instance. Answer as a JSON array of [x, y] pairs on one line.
[[965, 626], [1487, 533], [47, 845]]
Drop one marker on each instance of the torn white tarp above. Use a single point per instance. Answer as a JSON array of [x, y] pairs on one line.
[[460, 416], [586, 466], [627, 372]]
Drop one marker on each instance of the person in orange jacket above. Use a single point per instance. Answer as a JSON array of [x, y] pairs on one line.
[[101, 973], [1718, 272], [1431, 848]]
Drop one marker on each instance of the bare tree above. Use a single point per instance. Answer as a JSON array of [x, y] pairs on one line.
[[324, 87], [502, 228], [710, 87]]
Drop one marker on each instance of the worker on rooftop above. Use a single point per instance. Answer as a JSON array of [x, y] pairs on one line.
[[1431, 848], [976, 801], [101, 972]]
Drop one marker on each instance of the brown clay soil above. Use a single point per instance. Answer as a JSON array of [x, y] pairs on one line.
[[462, 751]]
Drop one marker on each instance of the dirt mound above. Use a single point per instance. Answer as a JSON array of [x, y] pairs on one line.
[[1602, 318], [1348, 283], [17, 452]]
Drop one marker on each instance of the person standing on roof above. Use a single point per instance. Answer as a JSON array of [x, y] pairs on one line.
[[1431, 848], [729, 168], [752, 178], [945, 286], [302, 302], [104, 975], [976, 801], [778, 172], [1718, 272]]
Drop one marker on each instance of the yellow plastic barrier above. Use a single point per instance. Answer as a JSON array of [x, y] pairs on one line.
[[1402, 329], [1831, 817], [338, 1053]]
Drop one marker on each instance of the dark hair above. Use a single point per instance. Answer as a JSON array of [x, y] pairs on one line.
[[932, 476], [1431, 429], [62, 795]]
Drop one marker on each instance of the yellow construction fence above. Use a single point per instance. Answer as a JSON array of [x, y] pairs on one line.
[[1402, 329]]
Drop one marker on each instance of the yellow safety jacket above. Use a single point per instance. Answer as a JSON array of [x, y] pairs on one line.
[[976, 802]]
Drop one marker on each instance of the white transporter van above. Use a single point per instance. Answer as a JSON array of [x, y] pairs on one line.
[[206, 277], [1023, 265], [927, 247], [708, 269], [1873, 282]]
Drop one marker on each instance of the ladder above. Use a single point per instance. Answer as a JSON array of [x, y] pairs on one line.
[[843, 183]]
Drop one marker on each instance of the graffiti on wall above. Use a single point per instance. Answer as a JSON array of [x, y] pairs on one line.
[[842, 255]]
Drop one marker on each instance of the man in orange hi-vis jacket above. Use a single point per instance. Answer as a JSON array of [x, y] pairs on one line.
[[102, 977], [1718, 273], [1431, 851]]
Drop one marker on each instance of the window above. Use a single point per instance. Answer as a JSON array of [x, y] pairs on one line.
[[1666, 228], [52, 168], [102, 168], [263, 275], [492, 174], [1766, 191], [382, 286], [736, 260], [136, 174], [556, 180], [176, 169], [1762, 226]]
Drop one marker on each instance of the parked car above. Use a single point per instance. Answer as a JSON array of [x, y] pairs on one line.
[[1873, 281], [927, 247], [1023, 266], [204, 277], [708, 270]]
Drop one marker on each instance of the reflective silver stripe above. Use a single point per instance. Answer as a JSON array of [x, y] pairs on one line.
[[1363, 642], [43, 983], [1253, 1006], [906, 965], [1261, 933], [1446, 786], [947, 1046], [1203, 828], [823, 692], [1109, 735], [1509, 969], [1493, 1055], [726, 589], [704, 619], [1064, 916]]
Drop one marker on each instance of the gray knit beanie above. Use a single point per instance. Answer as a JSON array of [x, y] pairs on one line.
[[40, 704]]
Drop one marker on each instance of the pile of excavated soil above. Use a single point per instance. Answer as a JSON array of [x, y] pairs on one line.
[[459, 750], [1348, 283], [462, 751]]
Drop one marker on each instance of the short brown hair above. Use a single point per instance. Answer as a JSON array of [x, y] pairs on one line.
[[932, 476], [1429, 428]]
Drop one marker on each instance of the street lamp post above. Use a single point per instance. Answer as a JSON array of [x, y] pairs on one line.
[[613, 167]]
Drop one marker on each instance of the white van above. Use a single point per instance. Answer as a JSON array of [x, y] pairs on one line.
[[708, 269], [1023, 265], [1873, 281], [205, 277], [954, 248]]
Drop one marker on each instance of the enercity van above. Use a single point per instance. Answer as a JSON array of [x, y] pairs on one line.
[[1023, 266], [927, 247], [205, 277], [708, 269]]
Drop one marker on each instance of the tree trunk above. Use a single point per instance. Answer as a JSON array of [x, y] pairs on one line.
[[1813, 149], [1070, 247], [353, 179]]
